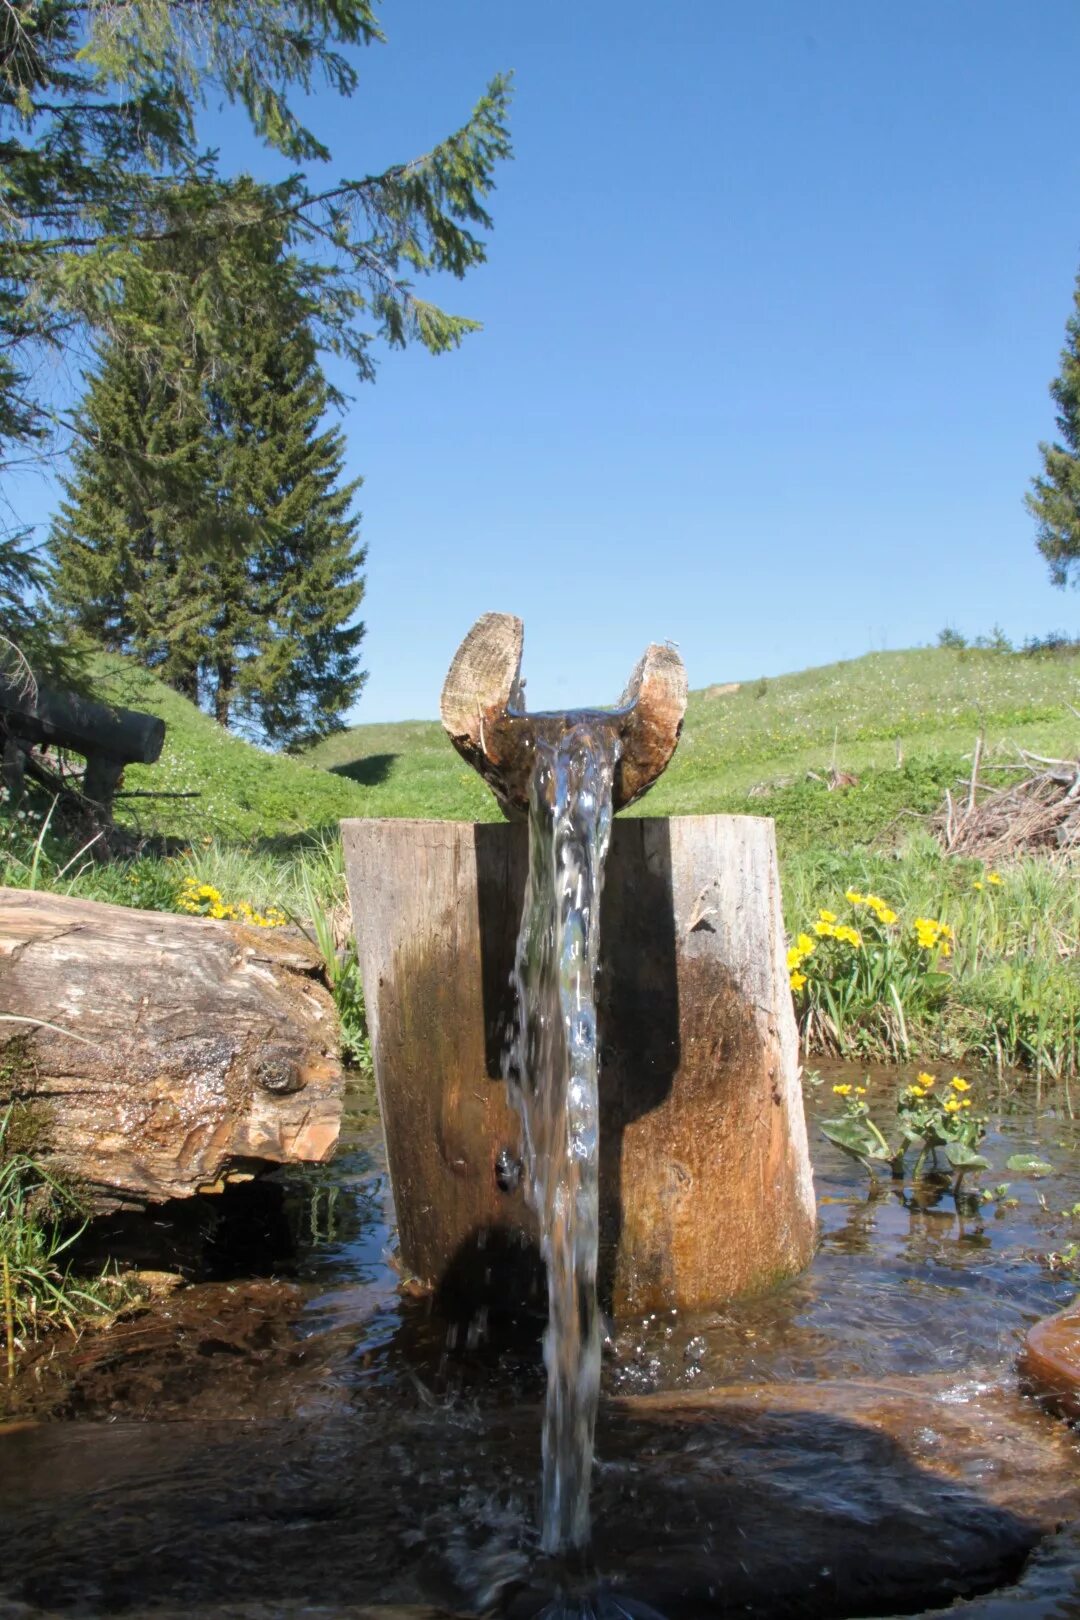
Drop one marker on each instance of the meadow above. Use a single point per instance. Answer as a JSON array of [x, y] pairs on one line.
[[852, 760]]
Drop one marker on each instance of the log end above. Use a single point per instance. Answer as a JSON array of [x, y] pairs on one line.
[[656, 699]]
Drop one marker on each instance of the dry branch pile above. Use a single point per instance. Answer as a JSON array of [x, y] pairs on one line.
[[1039, 810]]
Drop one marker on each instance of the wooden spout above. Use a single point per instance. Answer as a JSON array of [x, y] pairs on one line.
[[483, 712]]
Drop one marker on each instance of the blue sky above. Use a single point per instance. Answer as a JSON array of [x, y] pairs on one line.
[[772, 303]]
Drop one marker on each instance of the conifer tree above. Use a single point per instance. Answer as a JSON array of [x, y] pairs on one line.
[[208, 534], [284, 657], [128, 567], [1054, 500], [102, 158]]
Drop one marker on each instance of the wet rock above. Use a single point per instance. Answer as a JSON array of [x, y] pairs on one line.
[[786, 1501], [1049, 1364]]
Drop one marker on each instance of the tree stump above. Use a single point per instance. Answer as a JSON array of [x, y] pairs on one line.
[[161, 1054], [705, 1182]]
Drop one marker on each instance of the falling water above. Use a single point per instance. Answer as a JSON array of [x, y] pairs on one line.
[[553, 1066]]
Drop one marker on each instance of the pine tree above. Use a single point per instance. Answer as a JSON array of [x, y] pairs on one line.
[[128, 566], [1054, 500], [101, 158], [227, 560], [285, 652]]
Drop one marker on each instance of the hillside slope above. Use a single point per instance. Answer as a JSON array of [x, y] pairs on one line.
[[902, 721], [243, 792]]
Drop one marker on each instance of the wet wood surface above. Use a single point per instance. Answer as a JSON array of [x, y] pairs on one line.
[[158, 1054], [705, 1178]]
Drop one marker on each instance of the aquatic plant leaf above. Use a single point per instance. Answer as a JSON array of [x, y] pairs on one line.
[[1026, 1164], [854, 1138], [962, 1157]]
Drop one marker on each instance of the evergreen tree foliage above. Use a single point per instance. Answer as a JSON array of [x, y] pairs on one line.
[[209, 535], [32, 641], [100, 160], [1054, 500]]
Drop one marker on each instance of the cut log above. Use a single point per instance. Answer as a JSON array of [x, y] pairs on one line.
[[162, 1053], [705, 1186]]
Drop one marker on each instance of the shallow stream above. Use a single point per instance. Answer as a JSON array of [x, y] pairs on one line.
[[294, 1434]]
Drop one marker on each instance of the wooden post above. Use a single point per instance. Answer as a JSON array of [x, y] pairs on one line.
[[705, 1177]]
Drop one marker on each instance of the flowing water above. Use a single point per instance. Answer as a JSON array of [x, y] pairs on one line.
[[314, 1441], [552, 1066]]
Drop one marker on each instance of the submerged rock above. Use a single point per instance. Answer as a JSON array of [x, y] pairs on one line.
[[787, 1501]]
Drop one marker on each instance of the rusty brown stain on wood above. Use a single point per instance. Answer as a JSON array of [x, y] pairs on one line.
[[1049, 1363]]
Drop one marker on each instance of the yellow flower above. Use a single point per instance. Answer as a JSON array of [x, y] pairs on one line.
[[842, 1091], [976, 884], [993, 877], [798, 980], [885, 914], [794, 956], [806, 945], [854, 896], [953, 1105], [965, 1102], [850, 936], [825, 930], [915, 1091], [925, 1080], [827, 916], [860, 1091], [959, 1084]]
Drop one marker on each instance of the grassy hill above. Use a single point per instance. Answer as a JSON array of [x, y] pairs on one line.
[[902, 721], [244, 793]]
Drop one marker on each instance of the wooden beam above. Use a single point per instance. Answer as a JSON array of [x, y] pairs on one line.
[[68, 720]]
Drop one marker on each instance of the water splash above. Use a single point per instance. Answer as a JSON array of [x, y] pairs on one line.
[[553, 1069]]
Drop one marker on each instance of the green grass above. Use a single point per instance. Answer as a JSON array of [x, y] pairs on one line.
[[244, 793], [749, 751], [40, 1220], [1011, 995]]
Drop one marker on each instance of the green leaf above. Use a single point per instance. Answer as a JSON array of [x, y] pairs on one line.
[[1026, 1164], [963, 1158], [856, 1139]]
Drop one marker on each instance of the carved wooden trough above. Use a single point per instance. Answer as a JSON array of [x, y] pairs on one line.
[[705, 1179]]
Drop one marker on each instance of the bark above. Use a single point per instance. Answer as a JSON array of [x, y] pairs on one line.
[[181, 1050], [72, 721]]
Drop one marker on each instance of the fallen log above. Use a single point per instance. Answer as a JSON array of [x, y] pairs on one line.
[[160, 1055]]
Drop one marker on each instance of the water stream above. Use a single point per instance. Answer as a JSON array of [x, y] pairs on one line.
[[553, 1069]]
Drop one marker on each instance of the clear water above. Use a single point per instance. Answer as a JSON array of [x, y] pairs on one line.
[[345, 1446], [552, 1067]]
